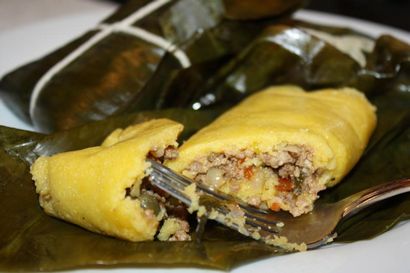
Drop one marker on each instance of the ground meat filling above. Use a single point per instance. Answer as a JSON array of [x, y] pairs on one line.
[[157, 203], [282, 179]]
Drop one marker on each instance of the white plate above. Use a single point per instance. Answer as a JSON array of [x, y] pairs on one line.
[[386, 253]]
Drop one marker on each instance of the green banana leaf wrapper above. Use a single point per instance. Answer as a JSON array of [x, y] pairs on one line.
[[123, 70], [295, 53]]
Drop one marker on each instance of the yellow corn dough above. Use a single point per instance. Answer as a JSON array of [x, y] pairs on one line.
[[335, 125], [88, 187]]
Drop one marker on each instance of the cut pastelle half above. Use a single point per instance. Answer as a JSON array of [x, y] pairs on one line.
[[104, 189], [278, 148]]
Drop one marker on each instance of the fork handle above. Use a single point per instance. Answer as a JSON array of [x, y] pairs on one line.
[[365, 198]]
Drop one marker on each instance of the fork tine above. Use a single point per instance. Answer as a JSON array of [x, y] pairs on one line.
[[175, 184], [171, 188], [181, 182], [176, 180]]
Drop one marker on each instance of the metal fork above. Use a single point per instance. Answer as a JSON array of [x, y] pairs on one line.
[[313, 229]]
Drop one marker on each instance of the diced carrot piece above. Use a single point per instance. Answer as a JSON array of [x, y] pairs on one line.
[[248, 172], [285, 184], [275, 207]]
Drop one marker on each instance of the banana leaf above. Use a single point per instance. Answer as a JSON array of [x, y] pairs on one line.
[[123, 70], [33, 241], [291, 54]]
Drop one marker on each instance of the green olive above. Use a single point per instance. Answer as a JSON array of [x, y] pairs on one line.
[[149, 202]]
